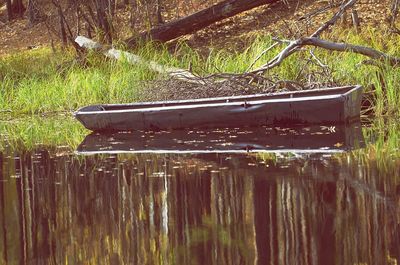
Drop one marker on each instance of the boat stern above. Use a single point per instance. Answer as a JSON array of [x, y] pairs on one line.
[[352, 105]]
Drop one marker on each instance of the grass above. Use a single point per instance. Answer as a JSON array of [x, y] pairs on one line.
[[31, 132], [57, 83]]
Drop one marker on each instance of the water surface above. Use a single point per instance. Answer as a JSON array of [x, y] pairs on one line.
[[59, 207]]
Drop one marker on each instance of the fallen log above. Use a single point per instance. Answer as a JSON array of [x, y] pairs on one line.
[[176, 73], [198, 20]]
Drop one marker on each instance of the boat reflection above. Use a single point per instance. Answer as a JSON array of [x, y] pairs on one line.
[[313, 139]]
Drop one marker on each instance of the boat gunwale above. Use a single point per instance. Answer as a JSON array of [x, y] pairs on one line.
[[221, 101], [232, 99], [228, 151], [194, 106]]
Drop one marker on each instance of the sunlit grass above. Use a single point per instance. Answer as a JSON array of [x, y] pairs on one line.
[[384, 142], [58, 82], [31, 132]]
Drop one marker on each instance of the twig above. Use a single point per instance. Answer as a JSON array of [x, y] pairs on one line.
[[319, 11], [333, 20], [319, 62], [261, 55], [282, 41], [277, 60]]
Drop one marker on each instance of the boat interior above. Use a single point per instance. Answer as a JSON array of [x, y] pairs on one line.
[[281, 95]]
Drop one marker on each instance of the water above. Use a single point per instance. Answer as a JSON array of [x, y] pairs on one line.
[[59, 207]]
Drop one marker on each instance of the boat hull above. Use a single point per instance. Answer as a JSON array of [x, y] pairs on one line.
[[337, 105]]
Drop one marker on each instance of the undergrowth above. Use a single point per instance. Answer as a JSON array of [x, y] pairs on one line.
[[41, 81]]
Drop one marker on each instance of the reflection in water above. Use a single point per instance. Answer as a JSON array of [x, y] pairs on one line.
[[196, 209], [335, 138]]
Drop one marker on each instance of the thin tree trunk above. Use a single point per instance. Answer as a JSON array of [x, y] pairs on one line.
[[78, 18], [159, 13], [33, 12], [132, 15], [18, 8], [15, 8], [199, 20], [103, 20], [9, 10], [62, 28]]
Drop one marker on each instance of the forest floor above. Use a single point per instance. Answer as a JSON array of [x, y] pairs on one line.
[[232, 34]]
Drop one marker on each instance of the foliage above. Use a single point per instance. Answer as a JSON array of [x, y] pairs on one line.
[[59, 82]]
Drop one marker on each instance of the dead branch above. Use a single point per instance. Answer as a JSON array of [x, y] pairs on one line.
[[319, 11], [318, 61], [176, 73], [335, 18], [293, 46], [315, 41], [346, 47], [261, 55], [329, 45]]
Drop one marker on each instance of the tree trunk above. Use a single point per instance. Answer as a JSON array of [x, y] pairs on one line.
[[18, 8], [199, 20], [15, 8], [9, 10], [103, 19], [159, 13], [63, 32], [33, 12]]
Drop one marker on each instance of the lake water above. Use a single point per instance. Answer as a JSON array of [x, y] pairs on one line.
[[207, 205]]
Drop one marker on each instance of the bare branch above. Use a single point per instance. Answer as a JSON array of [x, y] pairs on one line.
[[277, 60], [329, 45], [261, 54], [319, 62], [345, 47], [293, 45], [319, 11], [333, 20]]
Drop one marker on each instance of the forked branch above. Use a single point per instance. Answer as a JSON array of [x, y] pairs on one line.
[[314, 40], [329, 45]]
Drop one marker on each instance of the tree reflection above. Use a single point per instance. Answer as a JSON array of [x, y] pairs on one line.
[[202, 209]]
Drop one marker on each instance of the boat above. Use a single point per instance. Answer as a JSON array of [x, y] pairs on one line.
[[309, 139], [305, 107]]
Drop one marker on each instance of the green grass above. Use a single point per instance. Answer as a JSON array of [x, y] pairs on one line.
[[28, 133], [57, 83]]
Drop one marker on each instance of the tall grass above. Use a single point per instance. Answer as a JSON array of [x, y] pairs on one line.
[[41, 81], [31, 132]]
